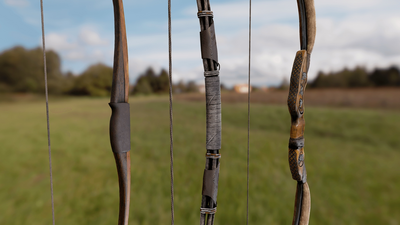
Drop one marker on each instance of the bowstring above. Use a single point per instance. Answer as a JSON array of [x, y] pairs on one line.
[[47, 112], [171, 150], [248, 120]]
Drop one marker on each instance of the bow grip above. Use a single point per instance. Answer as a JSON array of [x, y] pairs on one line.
[[120, 131], [298, 82]]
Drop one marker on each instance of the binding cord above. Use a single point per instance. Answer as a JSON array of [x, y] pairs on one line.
[[47, 112], [171, 148], [248, 120]]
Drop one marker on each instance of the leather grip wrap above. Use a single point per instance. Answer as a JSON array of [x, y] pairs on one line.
[[210, 183], [213, 110], [209, 44], [120, 131], [296, 143]]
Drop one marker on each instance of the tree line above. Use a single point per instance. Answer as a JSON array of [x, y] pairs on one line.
[[22, 71], [358, 77]]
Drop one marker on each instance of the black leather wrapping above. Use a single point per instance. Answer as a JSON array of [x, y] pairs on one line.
[[213, 110], [210, 183], [209, 44], [120, 131]]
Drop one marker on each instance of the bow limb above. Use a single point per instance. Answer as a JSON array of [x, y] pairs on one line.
[[307, 24], [120, 117], [298, 82]]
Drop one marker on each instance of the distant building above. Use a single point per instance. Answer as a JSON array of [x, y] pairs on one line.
[[201, 88], [264, 89], [241, 88]]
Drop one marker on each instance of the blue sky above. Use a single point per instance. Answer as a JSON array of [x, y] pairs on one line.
[[349, 33]]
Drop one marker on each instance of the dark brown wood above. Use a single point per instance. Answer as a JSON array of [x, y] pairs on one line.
[[307, 21], [122, 161], [120, 94], [120, 84]]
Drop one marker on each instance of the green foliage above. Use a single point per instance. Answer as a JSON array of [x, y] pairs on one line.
[[182, 87], [95, 81], [343, 79], [149, 83], [21, 70], [161, 85], [358, 77], [386, 77], [352, 160]]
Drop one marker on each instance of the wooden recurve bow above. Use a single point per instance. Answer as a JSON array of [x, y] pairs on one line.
[[120, 117], [298, 82], [209, 54]]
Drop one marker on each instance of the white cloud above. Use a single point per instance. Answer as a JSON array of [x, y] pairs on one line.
[[349, 34], [75, 55], [90, 37], [17, 3], [60, 42]]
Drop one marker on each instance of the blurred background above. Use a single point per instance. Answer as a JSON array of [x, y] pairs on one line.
[[352, 111]]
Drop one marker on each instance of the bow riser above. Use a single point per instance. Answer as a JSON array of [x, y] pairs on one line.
[[298, 82]]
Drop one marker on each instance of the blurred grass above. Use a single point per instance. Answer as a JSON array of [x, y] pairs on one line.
[[352, 162]]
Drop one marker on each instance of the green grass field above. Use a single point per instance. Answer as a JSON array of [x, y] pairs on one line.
[[352, 159]]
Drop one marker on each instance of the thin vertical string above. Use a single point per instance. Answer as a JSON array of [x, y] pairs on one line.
[[47, 112], [248, 119], [171, 148]]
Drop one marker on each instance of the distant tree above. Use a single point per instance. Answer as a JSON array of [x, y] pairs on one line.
[[22, 70], [145, 82], [69, 82], [318, 81], [343, 79], [358, 78], [95, 81], [386, 77], [191, 87], [149, 82], [180, 87], [142, 86], [163, 82]]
